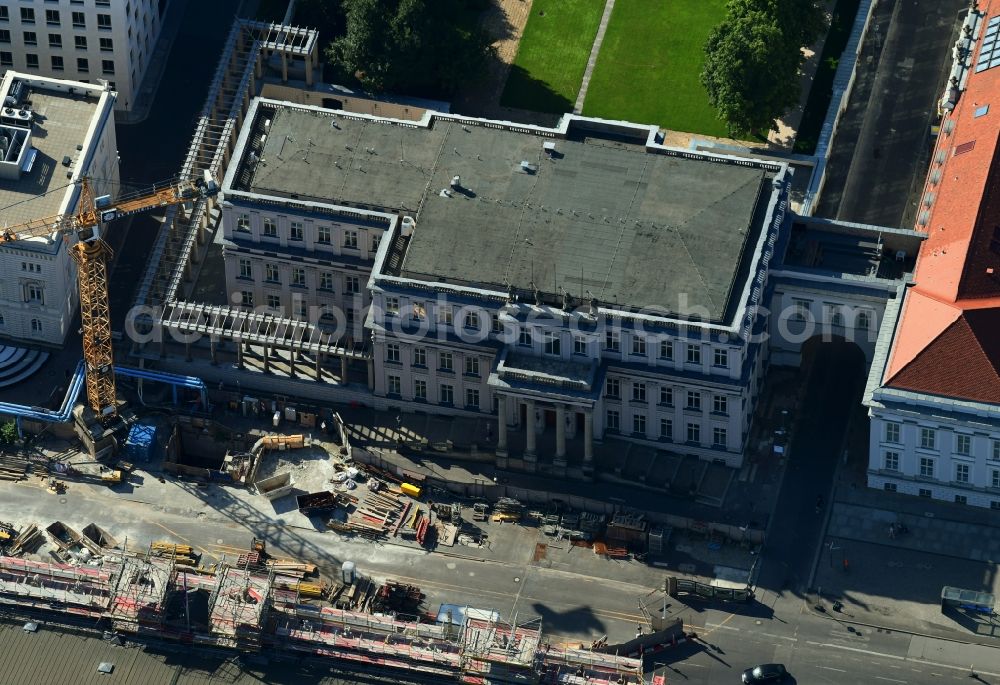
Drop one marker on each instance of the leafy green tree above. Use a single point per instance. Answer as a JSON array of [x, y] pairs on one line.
[[8, 433], [428, 47], [752, 60]]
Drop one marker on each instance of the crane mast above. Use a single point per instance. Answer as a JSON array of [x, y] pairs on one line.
[[91, 254]]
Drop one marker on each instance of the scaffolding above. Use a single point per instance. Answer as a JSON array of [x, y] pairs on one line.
[[238, 607], [140, 591], [500, 649], [583, 667], [80, 590]]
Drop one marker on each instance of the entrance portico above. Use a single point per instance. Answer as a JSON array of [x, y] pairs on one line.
[[553, 402]]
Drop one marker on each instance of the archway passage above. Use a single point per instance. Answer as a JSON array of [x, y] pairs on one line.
[[833, 373]]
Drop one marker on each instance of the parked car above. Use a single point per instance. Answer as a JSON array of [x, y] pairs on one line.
[[765, 673]]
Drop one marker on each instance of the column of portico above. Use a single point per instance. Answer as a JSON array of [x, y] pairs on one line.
[[502, 427], [560, 458], [529, 451]]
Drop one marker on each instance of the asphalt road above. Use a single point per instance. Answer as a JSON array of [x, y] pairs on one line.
[[833, 386]]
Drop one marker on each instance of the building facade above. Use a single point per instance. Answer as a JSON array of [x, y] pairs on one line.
[[934, 390], [60, 132], [83, 40]]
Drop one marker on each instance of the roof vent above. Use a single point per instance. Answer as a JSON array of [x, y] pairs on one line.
[[928, 199], [456, 181], [940, 157], [949, 126], [407, 227], [924, 218], [549, 147], [935, 177], [527, 167]]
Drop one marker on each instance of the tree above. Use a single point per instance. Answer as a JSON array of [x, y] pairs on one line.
[[752, 60], [8, 433], [414, 46]]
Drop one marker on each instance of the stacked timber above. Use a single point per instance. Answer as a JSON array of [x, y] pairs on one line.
[[28, 540]]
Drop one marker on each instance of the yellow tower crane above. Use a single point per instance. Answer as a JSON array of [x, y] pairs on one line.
[[91, 254]]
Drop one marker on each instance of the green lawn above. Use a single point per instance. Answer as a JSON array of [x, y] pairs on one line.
[[553, 54], [649, 65]]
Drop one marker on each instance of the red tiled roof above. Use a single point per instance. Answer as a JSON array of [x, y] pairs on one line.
[[944, 344]]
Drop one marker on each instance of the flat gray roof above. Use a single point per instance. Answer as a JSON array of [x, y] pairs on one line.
[[599, 218], [61, 124]]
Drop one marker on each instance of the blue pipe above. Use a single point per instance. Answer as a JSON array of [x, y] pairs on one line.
[[20, 411]]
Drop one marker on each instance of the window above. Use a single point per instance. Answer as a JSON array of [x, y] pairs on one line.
[[995, 450], [419, 356], [552, 343], [274, 301], [963, 445], [638, 392], [352, 285], [447, 394], [246, 298], [30, 38], [243, 223], [4, 35], [926, 467], [471, 366], [36, 325], [376, 239], [323, 235], [891, 461], [994, 505], [961, 473], [524, 338], [27, 15], [889, 487], [613, 388], [55, 40], [694, 433], [298, 277], [719, 437], [720, 404], [472, 320], [666, 350], [863, 321], [80, 42], [801, 312], [923, 492], [666, 396], [270, 228], [351, 239], [720, 358], [613, 420], [102, 3], [638, 345], [79, 20], [4, 14], [326, 281], [300, 307], [392, 353], [693, 400], [961, 499], [82, 65], [639, 424], [107, 66], [272, 274], [928, 438], [57, 63], [392, 306], [995, 478], [419, 389], [693, 354], [666, 429], [892, 432], [104, 22], [495, 324], [612, 341], [446, 361], [472, 398], [295, 230], [446, 315], [395, 385], [6, 59], [34, 294], [835, 316], [107, 45], [246, 268], [52, 17], [32, 60]]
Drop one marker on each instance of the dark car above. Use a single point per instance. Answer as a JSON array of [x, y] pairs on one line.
[[765, 673]]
